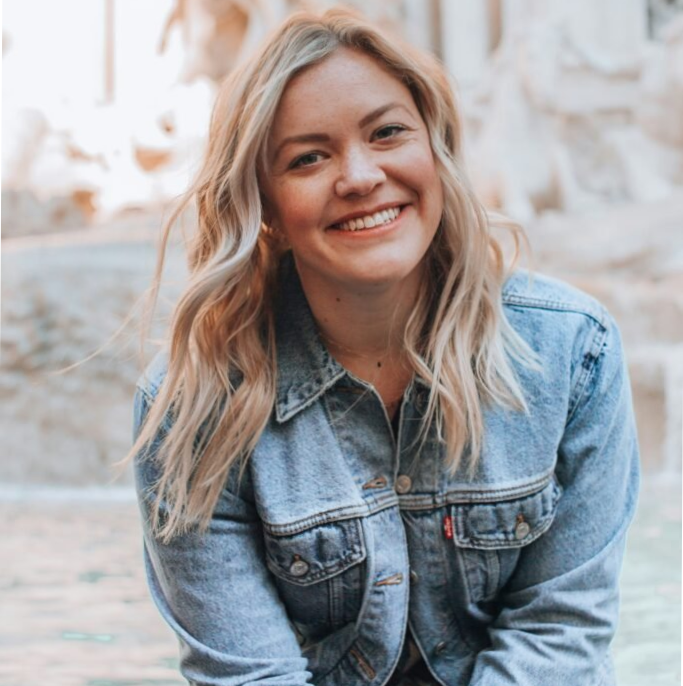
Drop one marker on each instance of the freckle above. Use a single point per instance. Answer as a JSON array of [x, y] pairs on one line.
[[379, 364], [338, 300]]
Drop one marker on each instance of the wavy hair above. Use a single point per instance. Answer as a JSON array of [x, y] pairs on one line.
[[220, 385]]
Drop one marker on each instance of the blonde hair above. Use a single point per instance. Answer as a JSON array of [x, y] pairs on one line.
[[220, 383]]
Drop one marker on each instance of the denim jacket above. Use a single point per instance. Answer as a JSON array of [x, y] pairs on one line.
[[341, 535]]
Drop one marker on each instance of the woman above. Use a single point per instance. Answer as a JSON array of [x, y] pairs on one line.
[[371, 453]]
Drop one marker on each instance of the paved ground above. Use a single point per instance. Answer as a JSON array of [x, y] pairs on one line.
[[75, 610]]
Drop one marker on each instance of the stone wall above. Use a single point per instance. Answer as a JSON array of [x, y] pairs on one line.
[[563, 111], [63, 300]]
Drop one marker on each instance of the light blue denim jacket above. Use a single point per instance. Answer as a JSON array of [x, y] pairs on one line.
[[340, 536]]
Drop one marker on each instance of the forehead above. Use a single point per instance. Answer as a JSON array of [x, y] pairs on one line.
[[348, 82]]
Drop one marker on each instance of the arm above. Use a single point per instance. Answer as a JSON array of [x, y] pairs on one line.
[[559, 611], [215, 592]]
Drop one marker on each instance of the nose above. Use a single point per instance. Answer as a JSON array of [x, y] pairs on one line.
[[359, 174]]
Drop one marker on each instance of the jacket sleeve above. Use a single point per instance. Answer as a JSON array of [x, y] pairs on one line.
[[559, 611], [215, 591]]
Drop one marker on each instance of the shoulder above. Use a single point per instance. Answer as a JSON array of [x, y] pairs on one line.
[[146, 391], [536, 292], [573, 335], [549, 313], [149, 382]]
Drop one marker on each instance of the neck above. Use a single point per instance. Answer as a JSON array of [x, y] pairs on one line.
[[363, 328], [364, 322]]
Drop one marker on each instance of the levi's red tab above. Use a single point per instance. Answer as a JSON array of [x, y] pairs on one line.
[[448, 526]]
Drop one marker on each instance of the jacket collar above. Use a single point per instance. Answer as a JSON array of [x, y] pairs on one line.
[[305, 369]]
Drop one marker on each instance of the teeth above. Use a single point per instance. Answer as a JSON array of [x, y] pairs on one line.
[[370, 221]]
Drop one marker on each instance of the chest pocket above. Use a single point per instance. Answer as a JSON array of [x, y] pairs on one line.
[[320, 575], [489, 537]]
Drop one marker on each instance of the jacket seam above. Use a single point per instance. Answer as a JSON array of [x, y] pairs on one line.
[[493, 495], [339, 514], [285, 410], [592, 353], [596, 315]]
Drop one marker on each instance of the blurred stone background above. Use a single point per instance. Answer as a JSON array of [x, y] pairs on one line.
[[574, 127]]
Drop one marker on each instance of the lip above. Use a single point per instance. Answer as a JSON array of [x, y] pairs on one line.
[[374, 232], [365, 213]]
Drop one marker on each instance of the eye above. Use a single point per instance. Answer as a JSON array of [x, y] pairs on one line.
[[390, 131], [305, 160]]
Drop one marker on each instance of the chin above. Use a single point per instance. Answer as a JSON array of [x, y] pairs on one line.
[[378, 276]]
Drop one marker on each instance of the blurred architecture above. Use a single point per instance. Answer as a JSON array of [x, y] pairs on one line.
[[574, 116], [570, 106]]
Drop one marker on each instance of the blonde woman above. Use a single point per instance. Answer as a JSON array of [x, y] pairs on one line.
[[371, 453]]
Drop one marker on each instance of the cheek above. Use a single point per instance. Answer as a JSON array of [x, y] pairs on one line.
[[296, 207], [421, 169], [428, 184]]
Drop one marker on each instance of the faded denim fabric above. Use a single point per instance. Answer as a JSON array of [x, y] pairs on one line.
[[340, 535]]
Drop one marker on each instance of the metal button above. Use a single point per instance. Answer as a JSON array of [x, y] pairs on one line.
[[299, 567], [440, 648], [413, 576], [522, 529], [403, 484]]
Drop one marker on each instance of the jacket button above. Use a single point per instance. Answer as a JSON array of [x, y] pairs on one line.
[[440, 648], [299, 567], [413, 576], [522, 529], [403, 484]]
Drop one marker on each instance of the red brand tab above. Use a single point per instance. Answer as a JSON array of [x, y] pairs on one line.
[[448, 526]]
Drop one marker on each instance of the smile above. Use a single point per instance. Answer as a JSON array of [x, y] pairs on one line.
[[369, 221]]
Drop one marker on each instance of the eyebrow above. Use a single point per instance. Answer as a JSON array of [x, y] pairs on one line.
[[324, 138]]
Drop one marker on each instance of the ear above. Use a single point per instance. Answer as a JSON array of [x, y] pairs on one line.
[[270, 226], [266, 214], [267, 219]]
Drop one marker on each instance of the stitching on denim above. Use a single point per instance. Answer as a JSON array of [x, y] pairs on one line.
[[597, 313], [493, 576], [286, 409], [339, 514], [536, 533], [447, 551], [473, 497], [335, 599], [594, 350]]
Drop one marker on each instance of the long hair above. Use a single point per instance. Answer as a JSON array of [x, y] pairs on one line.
[[220, 385]]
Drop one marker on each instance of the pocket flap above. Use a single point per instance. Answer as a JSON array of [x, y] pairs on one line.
[[317, 553], [506, 524]]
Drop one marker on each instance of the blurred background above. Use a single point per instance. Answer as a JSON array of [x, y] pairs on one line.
[[574, 127]]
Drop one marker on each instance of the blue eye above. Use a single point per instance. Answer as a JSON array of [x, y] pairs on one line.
[[305, 160], [389, 131]]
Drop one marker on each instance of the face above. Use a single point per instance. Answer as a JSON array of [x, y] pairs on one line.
[[351, 179]]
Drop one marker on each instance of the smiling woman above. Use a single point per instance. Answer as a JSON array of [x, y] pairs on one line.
[[371, 452], [372, 156]]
